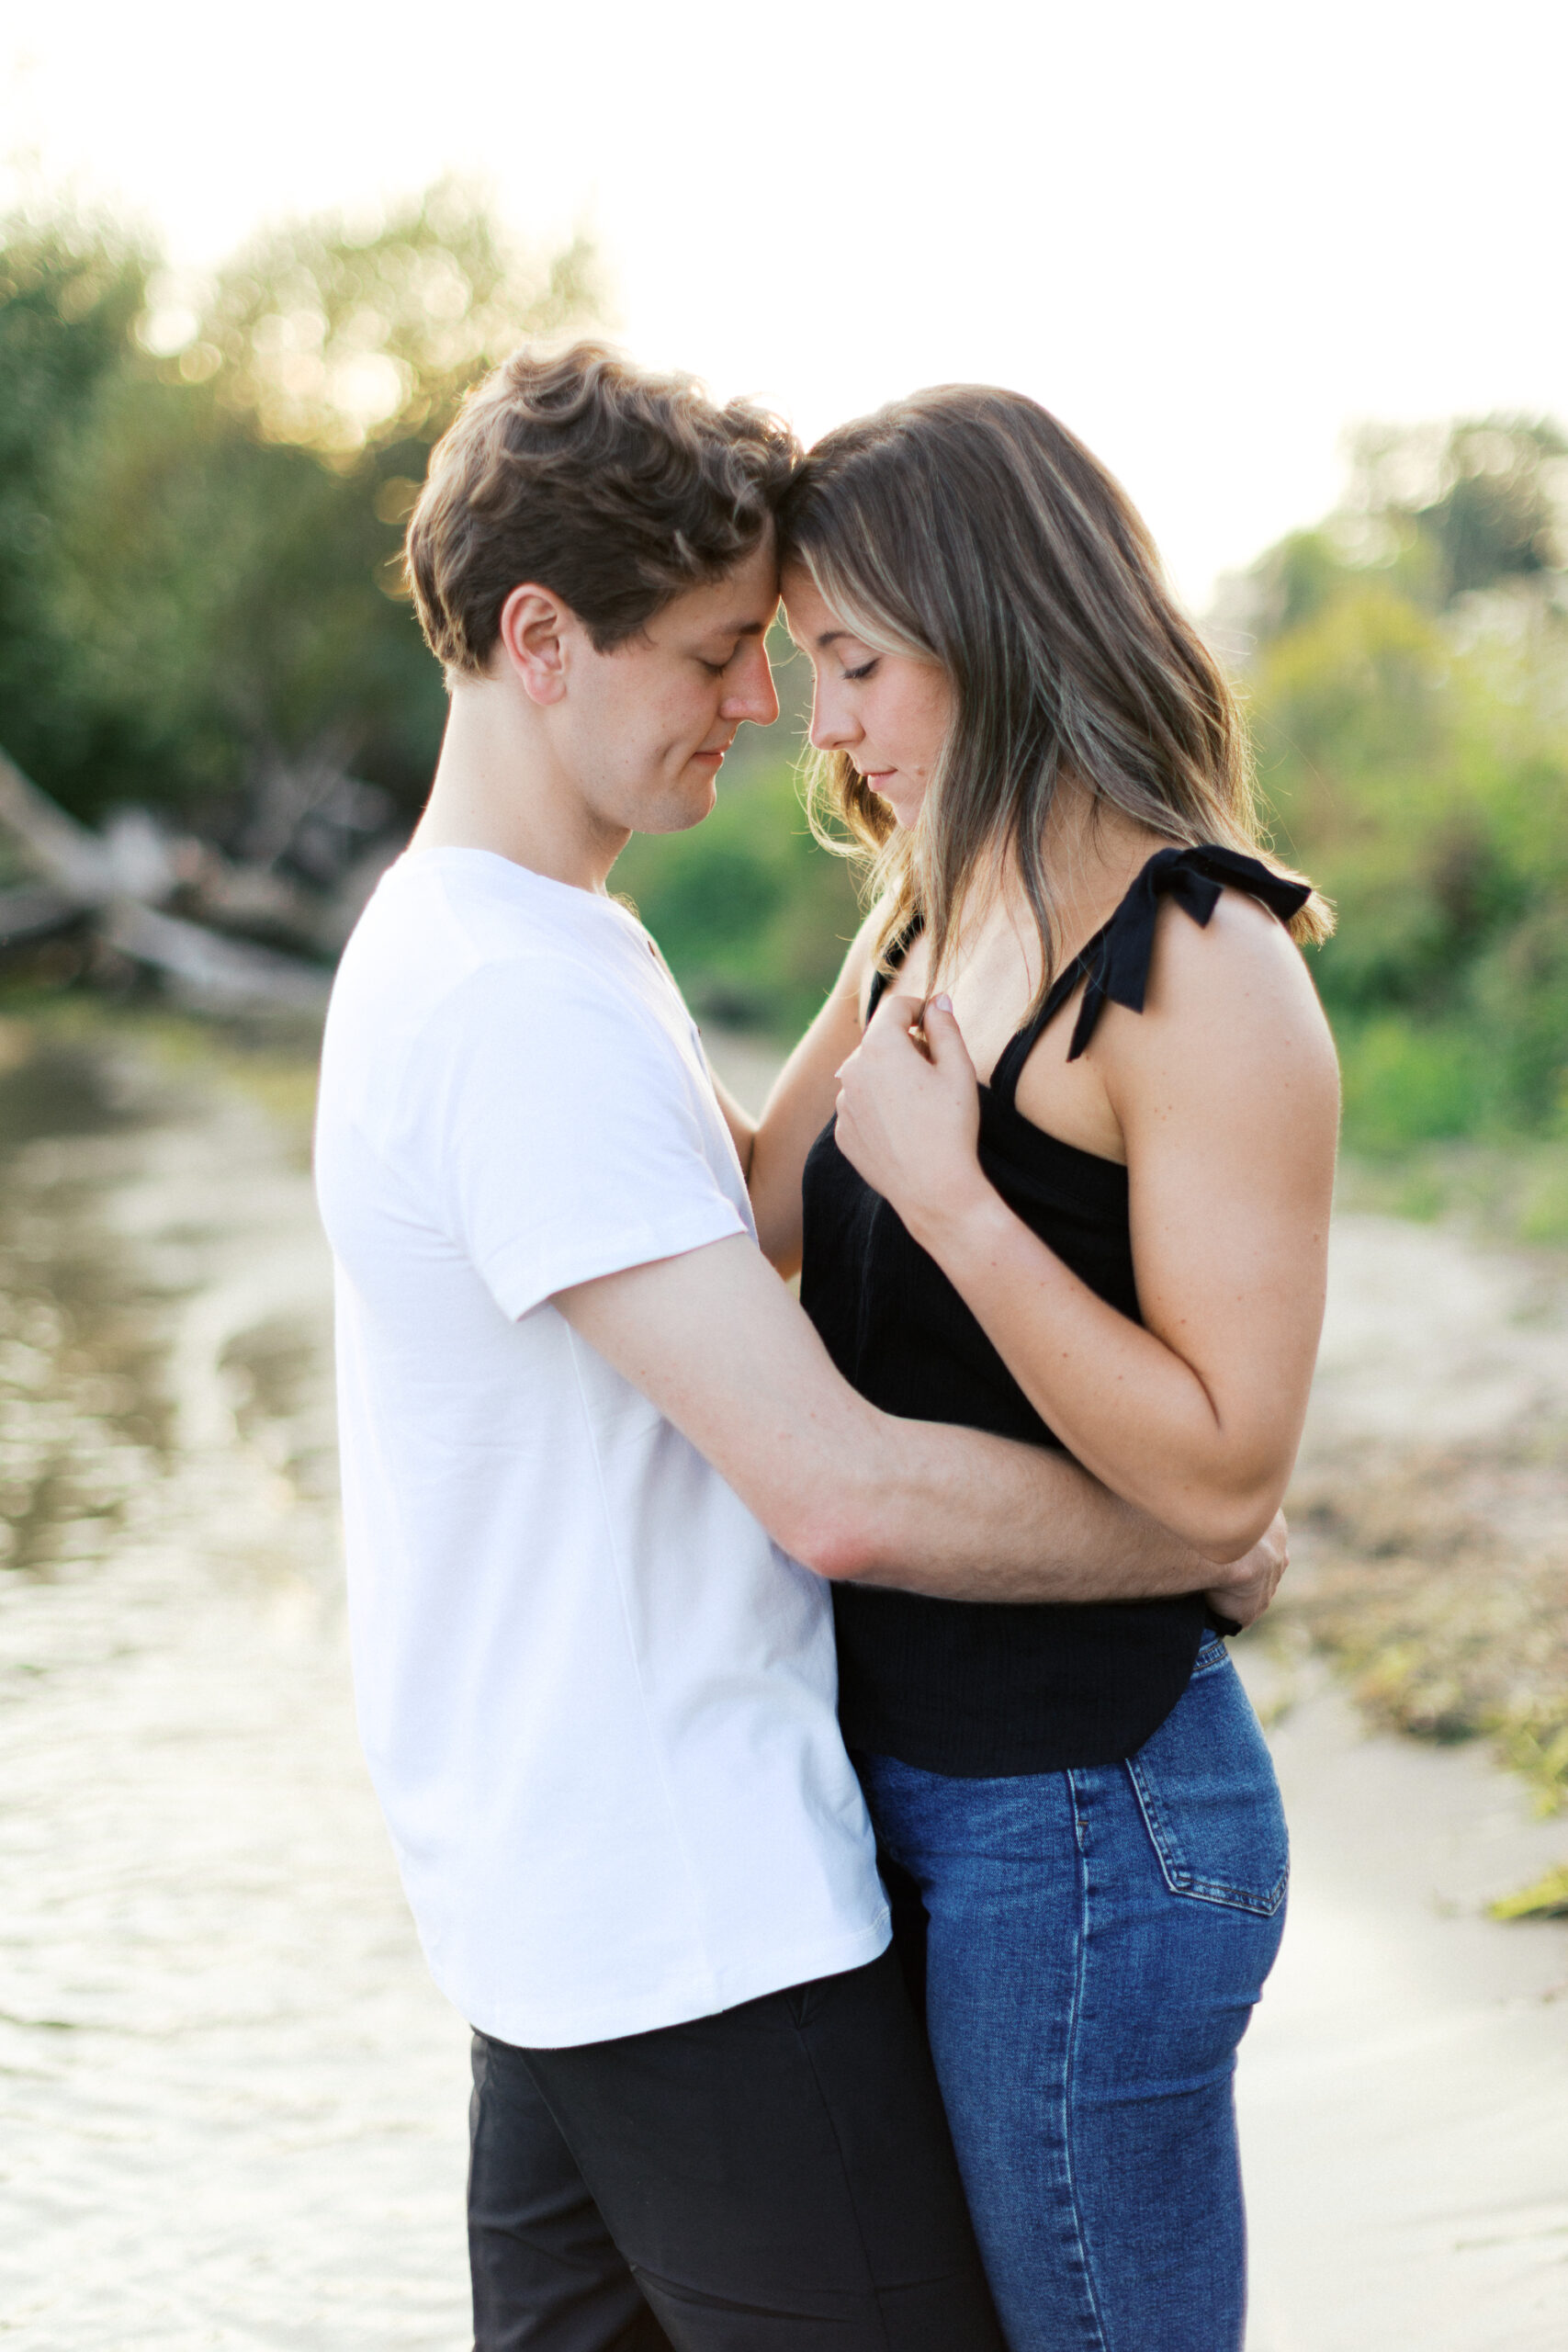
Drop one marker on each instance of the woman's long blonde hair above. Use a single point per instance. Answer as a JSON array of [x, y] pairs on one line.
[[965, 525]]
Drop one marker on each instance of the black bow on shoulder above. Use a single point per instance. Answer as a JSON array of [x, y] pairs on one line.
[[1117, 963]]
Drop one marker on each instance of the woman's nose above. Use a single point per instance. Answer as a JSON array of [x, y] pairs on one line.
[[832, 727]]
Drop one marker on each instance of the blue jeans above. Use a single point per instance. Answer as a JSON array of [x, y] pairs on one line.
[[1090, 1944]]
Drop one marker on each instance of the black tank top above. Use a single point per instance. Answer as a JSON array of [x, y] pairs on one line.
[[981, 1687]]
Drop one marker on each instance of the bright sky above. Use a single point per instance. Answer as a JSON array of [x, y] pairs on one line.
[[1209, 235]]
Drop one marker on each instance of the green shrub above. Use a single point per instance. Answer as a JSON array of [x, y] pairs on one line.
[[1406, 1084]]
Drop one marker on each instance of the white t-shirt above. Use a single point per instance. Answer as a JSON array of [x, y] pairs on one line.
[[597, 1702]]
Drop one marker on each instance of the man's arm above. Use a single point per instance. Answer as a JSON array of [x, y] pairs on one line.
[[714, 1340], [773, 1149]]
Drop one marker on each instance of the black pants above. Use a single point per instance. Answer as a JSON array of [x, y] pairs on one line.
[[774, 2178]]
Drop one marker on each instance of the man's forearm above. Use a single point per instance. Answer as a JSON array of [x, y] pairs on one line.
[[714, 1342], [955, 1513]]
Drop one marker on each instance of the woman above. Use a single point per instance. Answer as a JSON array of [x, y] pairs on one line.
[[1073, 1186]]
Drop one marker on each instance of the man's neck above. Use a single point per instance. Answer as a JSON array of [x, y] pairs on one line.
[[499, 787]]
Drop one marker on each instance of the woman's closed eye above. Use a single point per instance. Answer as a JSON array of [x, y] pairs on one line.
[[853, 677]]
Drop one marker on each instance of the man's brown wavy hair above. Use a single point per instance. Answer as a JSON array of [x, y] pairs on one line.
[[965, 526], [612, 487]]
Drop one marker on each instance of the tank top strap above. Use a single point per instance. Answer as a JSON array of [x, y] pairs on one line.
[[893, 961], [1016, 1052], [1114, 964]]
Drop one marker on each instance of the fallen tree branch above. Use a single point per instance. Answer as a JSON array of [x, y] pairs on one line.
[[219, 975], [36, 911], [63, 852]]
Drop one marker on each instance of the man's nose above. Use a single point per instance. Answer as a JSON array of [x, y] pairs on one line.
[[753, 693]]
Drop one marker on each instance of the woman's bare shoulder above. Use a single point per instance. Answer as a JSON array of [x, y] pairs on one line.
[[1237, 984]]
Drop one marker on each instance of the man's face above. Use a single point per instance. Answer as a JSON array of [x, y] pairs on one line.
[[647, 726]]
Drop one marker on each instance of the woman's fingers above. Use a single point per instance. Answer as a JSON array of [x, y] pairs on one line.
[[894, 1029], [944, 1038], [894, 1012], [908, 1112]]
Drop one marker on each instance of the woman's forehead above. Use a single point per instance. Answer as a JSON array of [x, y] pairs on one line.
[[811, 620]]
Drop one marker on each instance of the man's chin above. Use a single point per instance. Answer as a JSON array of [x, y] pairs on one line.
[[695, 798]]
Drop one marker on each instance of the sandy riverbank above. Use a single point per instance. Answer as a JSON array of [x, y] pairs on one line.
[[234, 2105], [1404, 2089]]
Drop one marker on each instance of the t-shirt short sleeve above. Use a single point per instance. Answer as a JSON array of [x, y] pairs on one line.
[[569, 1139]]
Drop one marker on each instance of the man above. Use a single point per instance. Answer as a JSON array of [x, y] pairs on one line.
[[589, 1437]]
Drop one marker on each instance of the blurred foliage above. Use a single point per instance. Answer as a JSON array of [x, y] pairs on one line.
[[202, 490], [70, 294], [1503, 1187], [346, 339], [1546, 1899], [202, 493], [1408, 688]]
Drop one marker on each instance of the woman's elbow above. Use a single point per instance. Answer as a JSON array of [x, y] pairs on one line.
[[1225, 1524]]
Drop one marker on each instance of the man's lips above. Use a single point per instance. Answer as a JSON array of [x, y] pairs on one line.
[[712, 756]]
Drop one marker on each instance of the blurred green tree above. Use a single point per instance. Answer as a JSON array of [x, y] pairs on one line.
[[221, 595], [1409, 699], [70, 289]]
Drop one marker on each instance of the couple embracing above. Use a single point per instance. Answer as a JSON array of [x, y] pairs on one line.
[[805, 1729]]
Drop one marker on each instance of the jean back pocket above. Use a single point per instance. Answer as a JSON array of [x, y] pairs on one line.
[[1205, 1786]]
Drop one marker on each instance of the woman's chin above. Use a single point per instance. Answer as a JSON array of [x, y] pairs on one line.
[[905, 813]]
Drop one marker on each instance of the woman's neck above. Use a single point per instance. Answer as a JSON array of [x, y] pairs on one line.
[[1093, 854]]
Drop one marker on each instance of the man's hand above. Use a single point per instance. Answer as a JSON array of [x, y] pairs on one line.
[[1255, 1577]]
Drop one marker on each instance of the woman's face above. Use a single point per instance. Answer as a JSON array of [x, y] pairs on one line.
[[889, 712]]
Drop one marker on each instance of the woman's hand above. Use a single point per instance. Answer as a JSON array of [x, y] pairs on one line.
[[1251, 1582], [909, 1112]]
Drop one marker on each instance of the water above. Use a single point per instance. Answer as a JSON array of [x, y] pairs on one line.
[[231, 2105]]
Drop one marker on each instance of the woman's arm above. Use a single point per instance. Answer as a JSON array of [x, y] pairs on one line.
[[717, 1343], [1226, 1090], [773, 1148]]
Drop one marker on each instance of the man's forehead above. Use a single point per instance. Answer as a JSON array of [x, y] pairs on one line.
[[742, 603]]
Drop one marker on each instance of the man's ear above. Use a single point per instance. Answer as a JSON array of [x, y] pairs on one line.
[[535, 627]]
